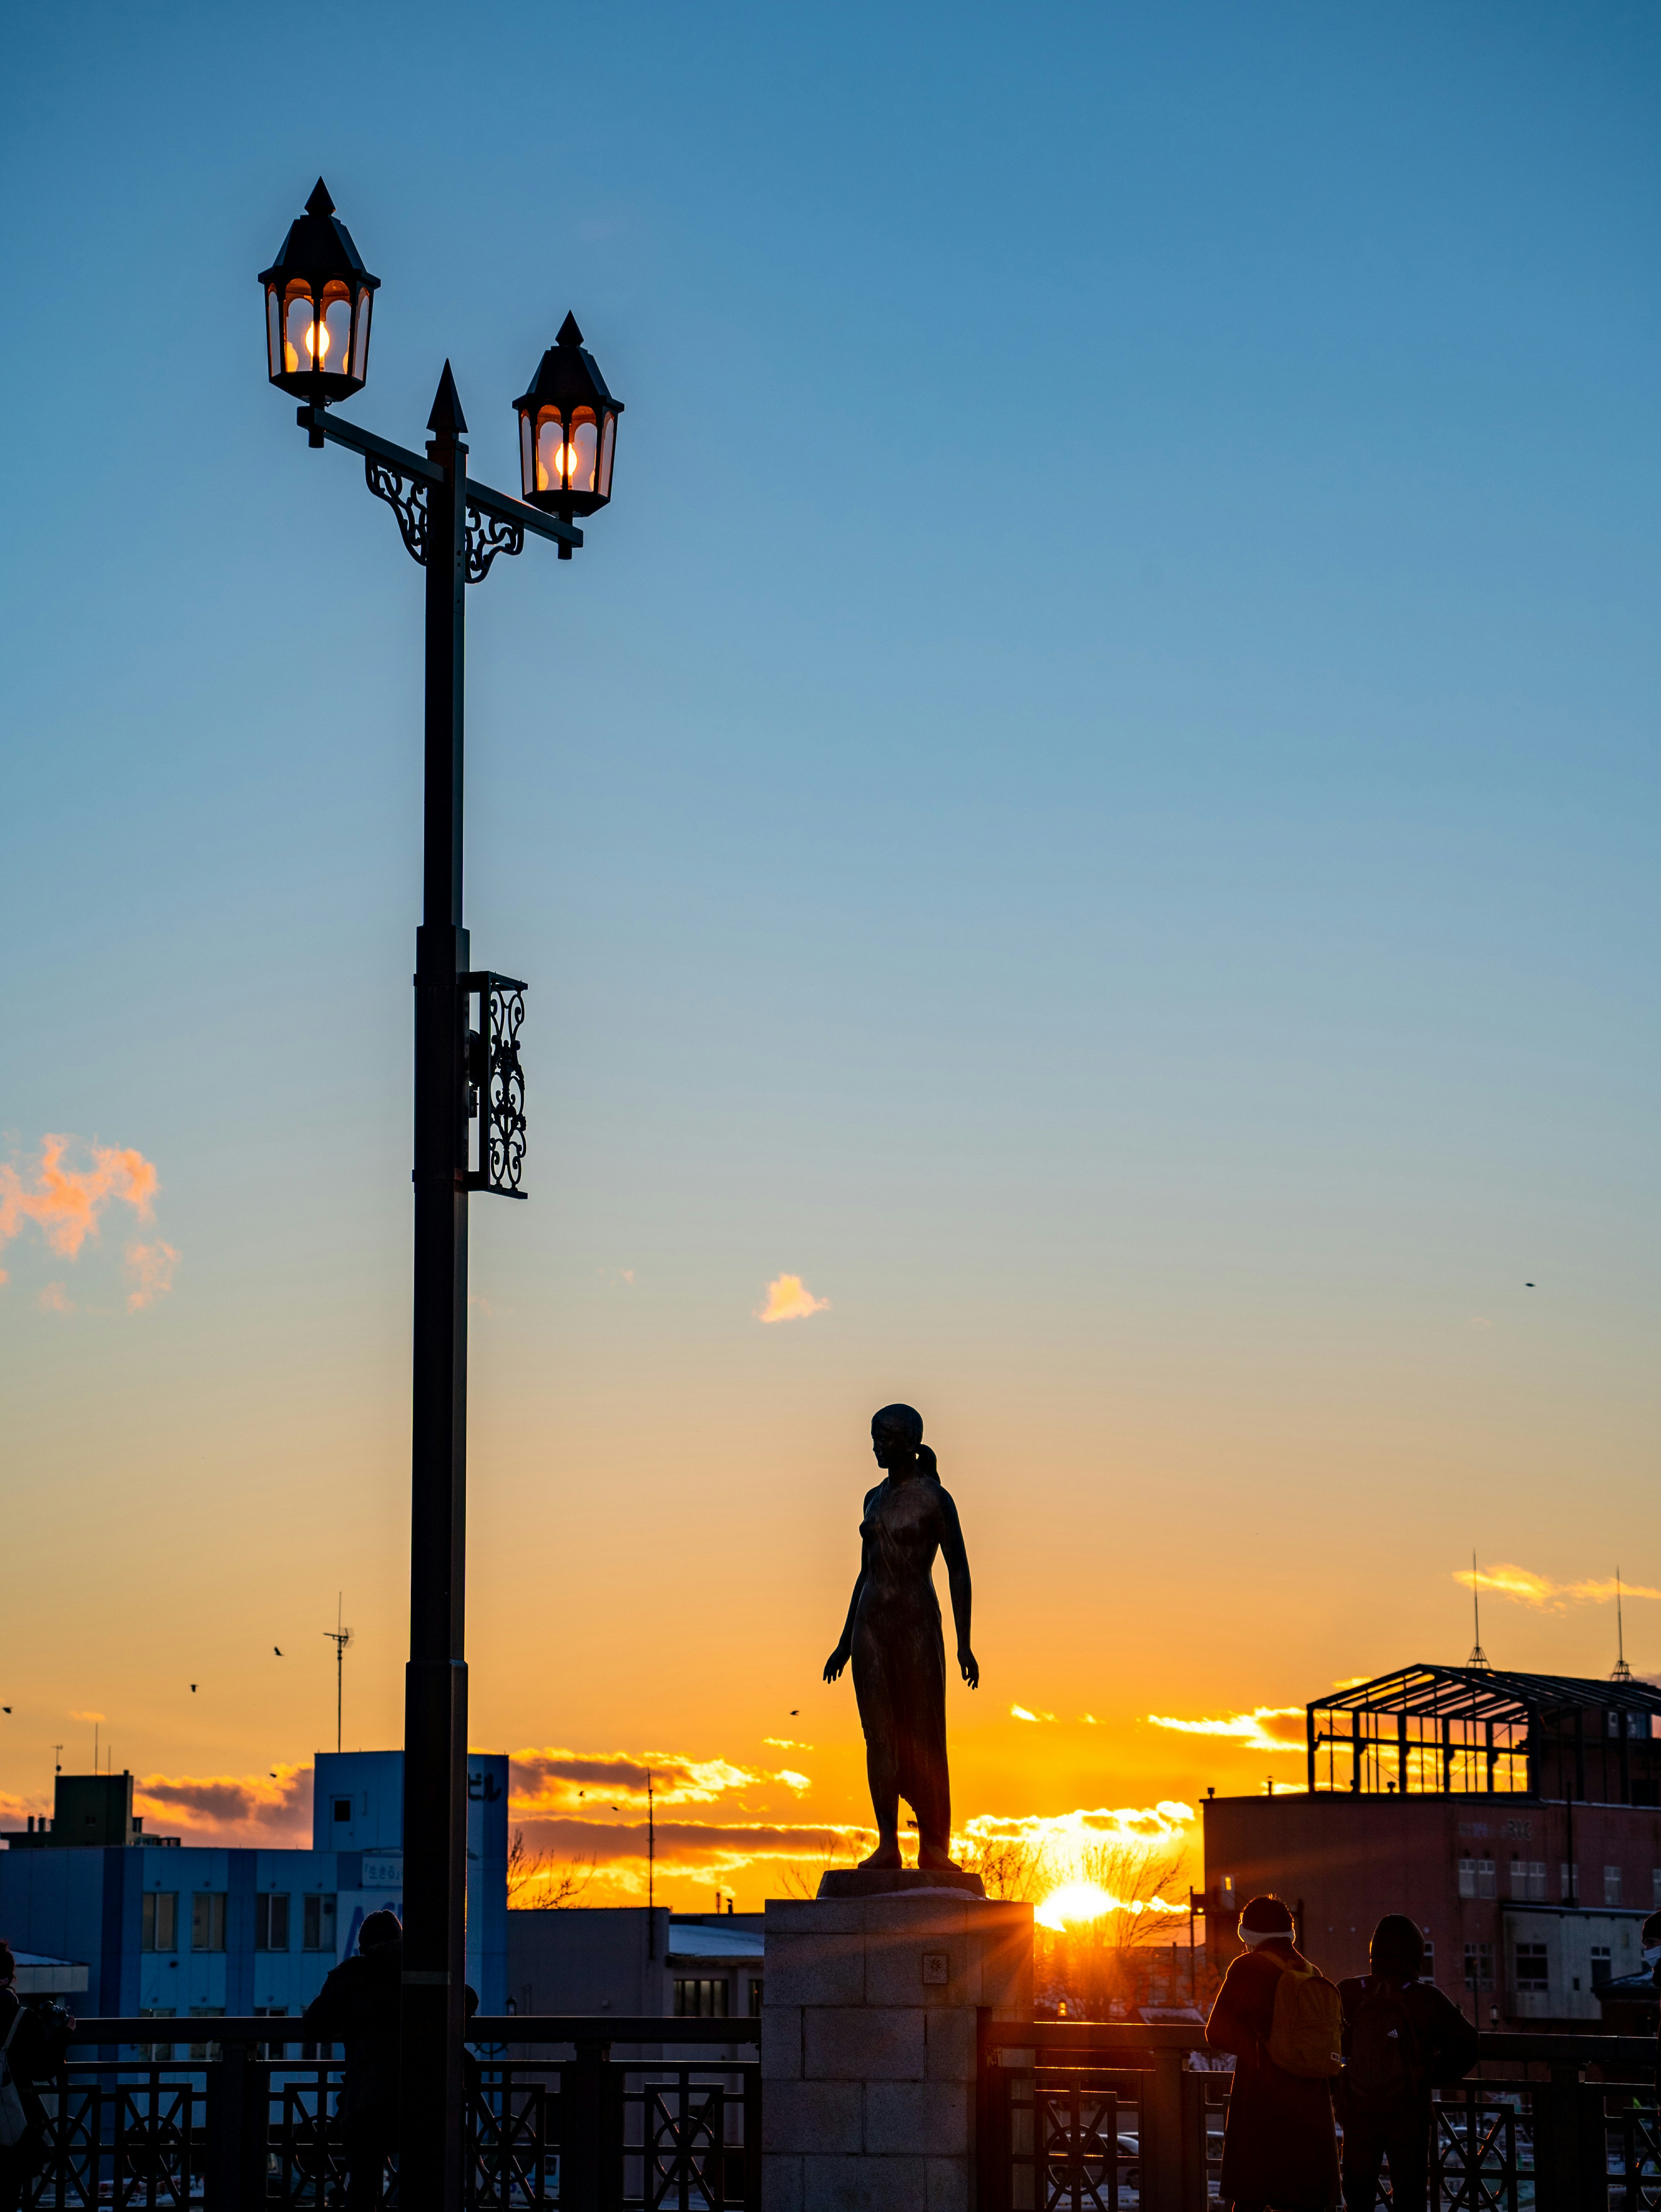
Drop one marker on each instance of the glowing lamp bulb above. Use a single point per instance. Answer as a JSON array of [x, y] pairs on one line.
[[317, 341]]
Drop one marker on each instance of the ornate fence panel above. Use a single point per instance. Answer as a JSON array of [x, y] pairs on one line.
[[247, 2125], [1091, 2116]]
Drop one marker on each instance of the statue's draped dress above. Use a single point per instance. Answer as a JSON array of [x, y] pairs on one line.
[[899, 1651]]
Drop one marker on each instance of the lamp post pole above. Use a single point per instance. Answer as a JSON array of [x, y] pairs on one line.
[[430, 2125], [318, 300]]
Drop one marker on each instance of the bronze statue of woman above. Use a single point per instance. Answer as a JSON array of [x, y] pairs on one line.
[[892, 1634]]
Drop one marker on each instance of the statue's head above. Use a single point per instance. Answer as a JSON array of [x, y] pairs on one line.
[[896, 1433]]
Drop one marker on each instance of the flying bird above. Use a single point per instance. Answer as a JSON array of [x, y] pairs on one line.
[[192, 1689], [5, 1709], [794, 1712], [278, 1649], [267, 1770]]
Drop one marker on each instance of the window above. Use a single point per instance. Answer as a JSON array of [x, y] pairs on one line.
[[701, 2000], [1476, 1877], [159, 1922], [153, 2050], [208, 1920], [210, 2051], [1602, 1968], [1531, 1975], [1479, 1965], [270, 1923], [272, 2012], [1528, 1880], [343, 1808], [1655, 1885], [1427, 1972], [1611, 1885], [1225, 1892], [1568, 1881], [755, 1998], [317, 1925]]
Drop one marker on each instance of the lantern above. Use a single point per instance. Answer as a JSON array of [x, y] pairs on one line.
[[318, 296], [568, 428]]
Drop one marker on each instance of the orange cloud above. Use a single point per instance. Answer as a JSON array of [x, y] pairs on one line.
[[544, 1780], [64, 1203], [1247, 1729], [228, 1807], [788, 1298], [619, 1848], [1530, 1588], [54, 1298], [151, 1266]]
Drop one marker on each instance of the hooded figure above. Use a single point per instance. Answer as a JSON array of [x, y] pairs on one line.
[[1402, 2039], [358, 2006], [36, 2038], [1279, 2147]]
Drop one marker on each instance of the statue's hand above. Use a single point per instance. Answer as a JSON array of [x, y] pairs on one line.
[[970, 1665], [835, 1662]]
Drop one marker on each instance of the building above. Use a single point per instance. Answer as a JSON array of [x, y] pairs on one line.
[[635, 1959], [1516, 1818], [187, 1931]]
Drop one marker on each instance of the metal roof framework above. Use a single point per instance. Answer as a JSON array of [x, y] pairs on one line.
[[1464, 1730]]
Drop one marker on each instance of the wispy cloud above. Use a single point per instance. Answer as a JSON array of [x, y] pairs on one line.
[[1530, 1588], [618, 1848], [1246, 1729], [64, 1203], [1020, 1713], [151, 1266], [788, 1298], [88, 1717]]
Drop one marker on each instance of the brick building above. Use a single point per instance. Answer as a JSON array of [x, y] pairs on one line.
[[1516, 1818]]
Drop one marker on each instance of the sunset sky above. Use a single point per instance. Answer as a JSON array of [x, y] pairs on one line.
[[1082, 833]]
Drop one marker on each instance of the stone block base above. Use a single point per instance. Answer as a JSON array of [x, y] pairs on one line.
[[868, 2045]]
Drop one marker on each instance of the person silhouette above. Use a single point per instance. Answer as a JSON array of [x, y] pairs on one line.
[[892, 1635]]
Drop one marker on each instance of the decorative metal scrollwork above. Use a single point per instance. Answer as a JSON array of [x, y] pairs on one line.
[[407, 499], [495, 1080], [486, 537]]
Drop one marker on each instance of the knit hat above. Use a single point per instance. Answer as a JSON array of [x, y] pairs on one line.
[[1265, 1920], [1398, 1948]]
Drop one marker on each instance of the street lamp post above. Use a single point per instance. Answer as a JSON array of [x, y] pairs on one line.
[[318, 300]]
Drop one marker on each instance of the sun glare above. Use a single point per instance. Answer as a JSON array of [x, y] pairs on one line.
[[1073, 1902]]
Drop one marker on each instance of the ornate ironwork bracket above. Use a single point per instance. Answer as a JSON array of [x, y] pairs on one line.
[[408, 501], [486, 537], [495, 1080]]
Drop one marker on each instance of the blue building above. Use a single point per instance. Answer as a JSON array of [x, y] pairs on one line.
[[190, 1933]]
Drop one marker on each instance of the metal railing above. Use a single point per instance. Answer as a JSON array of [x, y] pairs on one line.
[[561, 2121], [1081, 2114]]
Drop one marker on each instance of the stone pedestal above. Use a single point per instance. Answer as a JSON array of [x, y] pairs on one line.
[[867, 2047]]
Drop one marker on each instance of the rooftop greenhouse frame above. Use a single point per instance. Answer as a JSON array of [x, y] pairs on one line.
[[1479, 1731]]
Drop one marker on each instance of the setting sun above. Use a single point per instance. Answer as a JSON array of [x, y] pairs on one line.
[[1073, 1902]]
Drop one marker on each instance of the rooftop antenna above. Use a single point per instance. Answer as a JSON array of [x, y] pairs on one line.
[[57, 1759], [1621, 1671], [340, 1637], [1478, 1656]]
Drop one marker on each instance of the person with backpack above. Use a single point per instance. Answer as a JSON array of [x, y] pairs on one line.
[[358, 2006], [1280, 2017], [33, 2039], [1401, 2039]]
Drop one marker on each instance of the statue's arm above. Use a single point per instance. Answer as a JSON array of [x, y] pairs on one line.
[[956, 1575], [840, 1657]]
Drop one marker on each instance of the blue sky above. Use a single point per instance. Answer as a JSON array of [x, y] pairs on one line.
[[1093, 794]]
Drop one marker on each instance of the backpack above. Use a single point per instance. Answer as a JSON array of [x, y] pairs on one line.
[[14, 2119], [1308, 2025], [1386, 2064]]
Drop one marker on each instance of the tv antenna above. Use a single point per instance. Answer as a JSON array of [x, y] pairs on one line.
[[1621, 1671], [340, 1637], [1478, 1656]]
